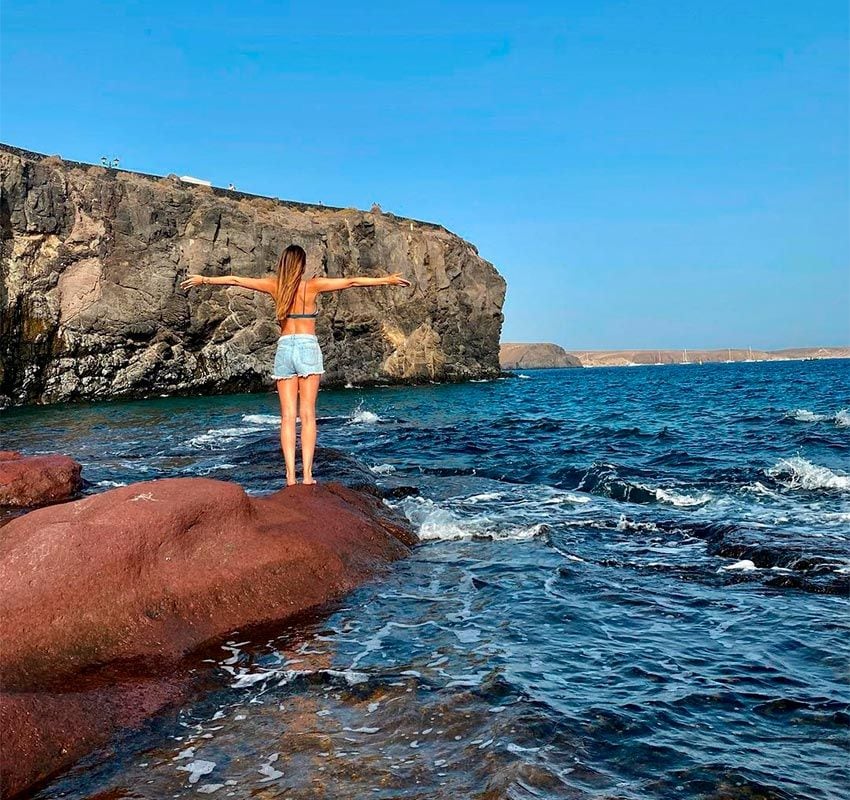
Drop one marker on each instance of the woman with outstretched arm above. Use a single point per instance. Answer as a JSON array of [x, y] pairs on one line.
[[298, 362]]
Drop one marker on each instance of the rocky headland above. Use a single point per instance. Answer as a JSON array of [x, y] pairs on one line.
[[535, 356], [90, 307], [102, 599]]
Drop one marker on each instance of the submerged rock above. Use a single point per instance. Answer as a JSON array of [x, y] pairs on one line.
[[132, 580], [92, 259], [37, 480]]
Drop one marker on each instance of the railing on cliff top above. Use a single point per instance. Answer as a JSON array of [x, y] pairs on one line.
[[233, 194]]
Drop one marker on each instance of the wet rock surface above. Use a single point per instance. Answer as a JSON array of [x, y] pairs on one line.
[[91, 261], [102, 598], [37, 480]]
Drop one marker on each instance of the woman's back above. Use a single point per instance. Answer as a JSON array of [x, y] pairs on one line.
[[302, 314]]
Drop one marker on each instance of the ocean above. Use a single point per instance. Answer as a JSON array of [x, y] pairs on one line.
[[632, 583]]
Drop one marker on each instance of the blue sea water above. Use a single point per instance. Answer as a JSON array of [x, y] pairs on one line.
[[633, 583]]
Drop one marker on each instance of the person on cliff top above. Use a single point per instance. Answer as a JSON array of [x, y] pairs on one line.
[[298, 363]]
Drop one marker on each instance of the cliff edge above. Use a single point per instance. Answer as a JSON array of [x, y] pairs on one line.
[[90, 307]]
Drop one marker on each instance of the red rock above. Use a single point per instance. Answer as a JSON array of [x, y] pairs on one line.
[[37, 480], [44, 732], [142, 575]]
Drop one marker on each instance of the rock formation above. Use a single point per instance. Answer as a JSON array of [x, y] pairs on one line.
[[90, 305], [37, 480], [101, 598], [535, 356]]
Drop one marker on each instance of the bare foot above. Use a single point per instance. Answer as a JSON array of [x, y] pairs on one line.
[[309, 481], [291, 481]]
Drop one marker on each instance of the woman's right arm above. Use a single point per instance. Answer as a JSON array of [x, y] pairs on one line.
[[337, 284], [266, 285]]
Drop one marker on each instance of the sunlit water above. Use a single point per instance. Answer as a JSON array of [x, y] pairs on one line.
[[633, 583]]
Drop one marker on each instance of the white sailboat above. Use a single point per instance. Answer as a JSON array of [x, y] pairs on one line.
[[750, 358], [685, 357], [729, 353]]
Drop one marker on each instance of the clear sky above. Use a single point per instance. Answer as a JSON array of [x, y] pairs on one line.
[[644, 174]]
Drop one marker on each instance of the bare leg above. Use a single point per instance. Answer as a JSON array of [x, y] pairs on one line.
[[308, 388], [287, 391]]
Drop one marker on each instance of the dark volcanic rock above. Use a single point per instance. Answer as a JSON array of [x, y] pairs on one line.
[[128, 582], [37, 480], [90, 305]]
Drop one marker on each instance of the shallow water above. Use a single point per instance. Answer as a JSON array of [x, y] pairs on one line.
[[633, 583]]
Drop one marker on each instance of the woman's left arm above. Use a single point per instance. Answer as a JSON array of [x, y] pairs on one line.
[[266, 285], [338, 284]]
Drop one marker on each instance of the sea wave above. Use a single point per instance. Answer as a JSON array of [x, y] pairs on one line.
[[382, 469], [605, 480], [840, 418], [261, 419], [798, 473], [362, 416], [218, 437], [435, 522]]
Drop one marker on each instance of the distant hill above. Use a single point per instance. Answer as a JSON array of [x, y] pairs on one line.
[[535, 356], [621, 358], [541, 355]]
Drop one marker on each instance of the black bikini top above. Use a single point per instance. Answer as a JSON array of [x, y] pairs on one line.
[[304, 315]]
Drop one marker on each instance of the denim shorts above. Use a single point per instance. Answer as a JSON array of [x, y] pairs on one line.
[[297, 354]]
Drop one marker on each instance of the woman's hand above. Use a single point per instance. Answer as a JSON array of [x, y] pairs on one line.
[[193, 280], [396, 280]]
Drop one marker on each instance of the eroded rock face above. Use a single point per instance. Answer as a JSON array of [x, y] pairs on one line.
[[90, 303], [37, 480]]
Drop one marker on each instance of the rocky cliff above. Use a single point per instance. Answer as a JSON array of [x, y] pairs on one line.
[[535, 356], [91, 308]]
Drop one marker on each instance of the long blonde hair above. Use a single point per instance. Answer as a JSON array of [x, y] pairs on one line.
[[290, 270]]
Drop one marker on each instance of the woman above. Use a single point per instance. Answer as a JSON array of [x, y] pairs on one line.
[[298, 361]]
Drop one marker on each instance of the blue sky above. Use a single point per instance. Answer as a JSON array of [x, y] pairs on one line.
[[644, 174]]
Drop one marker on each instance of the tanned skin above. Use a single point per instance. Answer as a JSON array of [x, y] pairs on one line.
[[298, 395]]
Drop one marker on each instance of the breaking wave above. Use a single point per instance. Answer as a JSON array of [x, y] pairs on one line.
[[436, 522], [841, 418], [798, 473]]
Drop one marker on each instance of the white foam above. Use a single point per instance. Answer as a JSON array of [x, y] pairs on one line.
[[626, 524], [261, 419], [437, 523], [804, 415], [524, 377], [484, 498], [382, 469], [744, 565], [840, 418], [113, 484], [245, 679], [360, 416], [216, 437], [798, 473], [680, 500]]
